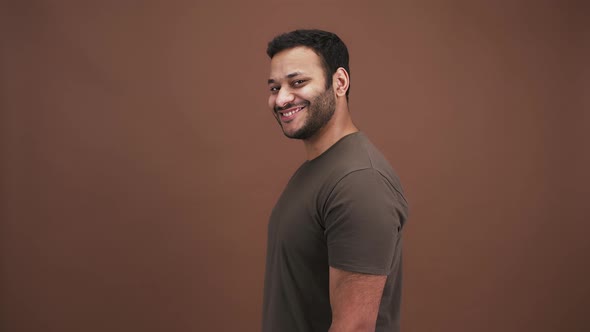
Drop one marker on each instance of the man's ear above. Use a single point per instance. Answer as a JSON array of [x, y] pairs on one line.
[[340, 82]]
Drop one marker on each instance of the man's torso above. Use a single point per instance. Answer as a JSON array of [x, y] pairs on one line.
[[309, 231]]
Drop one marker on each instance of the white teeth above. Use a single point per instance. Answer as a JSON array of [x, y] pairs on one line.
[[291, 112]]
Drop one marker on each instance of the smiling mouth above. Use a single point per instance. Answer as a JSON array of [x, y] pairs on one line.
[[289, 114]]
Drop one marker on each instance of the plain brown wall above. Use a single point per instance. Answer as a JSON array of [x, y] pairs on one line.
[[139, 161]]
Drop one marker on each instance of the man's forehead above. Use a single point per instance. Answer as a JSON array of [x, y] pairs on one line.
[[302, 60]]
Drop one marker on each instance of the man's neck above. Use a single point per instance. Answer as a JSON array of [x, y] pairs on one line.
[[339, 126]]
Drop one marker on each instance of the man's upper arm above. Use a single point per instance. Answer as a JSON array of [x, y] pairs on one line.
[[362, 226], [355, 300], [362, 223]]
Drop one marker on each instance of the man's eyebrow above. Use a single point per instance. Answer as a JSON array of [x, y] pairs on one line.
[[291, 75]]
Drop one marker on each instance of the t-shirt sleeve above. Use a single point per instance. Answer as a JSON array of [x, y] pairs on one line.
[[363, 218]]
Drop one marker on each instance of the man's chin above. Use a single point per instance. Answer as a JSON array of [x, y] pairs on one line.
[[300, 134], [290, 132], [290, 135]]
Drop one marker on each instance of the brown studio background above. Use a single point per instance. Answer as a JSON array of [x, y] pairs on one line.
[[140, 162]]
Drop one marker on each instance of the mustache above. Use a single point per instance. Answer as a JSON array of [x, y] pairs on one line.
[[290, 105]]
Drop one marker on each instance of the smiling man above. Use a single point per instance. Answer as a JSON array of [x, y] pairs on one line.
[[335, 235]]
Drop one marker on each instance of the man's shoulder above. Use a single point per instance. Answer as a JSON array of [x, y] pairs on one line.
[[366, 160], [357, 153]]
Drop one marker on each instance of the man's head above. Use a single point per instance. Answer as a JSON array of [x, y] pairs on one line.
[[327, 45], [304, 64]]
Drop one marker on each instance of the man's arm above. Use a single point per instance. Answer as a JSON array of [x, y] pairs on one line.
[[355, 300]]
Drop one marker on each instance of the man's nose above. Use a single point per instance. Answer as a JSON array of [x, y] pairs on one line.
[[284, 97]]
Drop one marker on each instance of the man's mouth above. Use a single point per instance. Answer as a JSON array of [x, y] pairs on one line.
[[290, 113]]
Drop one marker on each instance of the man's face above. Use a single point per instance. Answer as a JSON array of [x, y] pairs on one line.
[[298, 98]]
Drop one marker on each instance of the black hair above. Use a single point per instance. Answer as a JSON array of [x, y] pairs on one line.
[[327, 45]]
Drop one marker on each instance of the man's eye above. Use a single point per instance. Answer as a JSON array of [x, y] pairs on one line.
[[298, 82], [274, 88]]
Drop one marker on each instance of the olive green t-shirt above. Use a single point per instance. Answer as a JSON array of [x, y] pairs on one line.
[[343, 209]]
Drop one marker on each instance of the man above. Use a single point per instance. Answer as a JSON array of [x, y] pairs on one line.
[[334, 237]]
